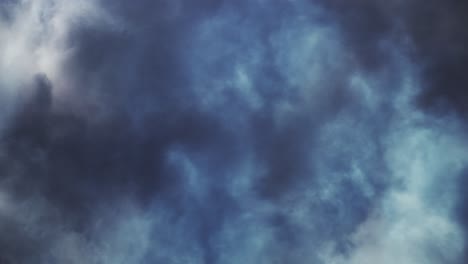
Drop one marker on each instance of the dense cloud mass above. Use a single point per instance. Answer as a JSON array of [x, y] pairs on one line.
[[250, 131]]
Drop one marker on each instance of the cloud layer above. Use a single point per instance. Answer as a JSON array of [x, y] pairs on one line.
[[233, 132]]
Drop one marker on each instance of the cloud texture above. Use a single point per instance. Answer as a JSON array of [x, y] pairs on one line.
[[233, 131]]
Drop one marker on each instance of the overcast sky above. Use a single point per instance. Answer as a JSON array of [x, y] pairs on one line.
[[233, 132]]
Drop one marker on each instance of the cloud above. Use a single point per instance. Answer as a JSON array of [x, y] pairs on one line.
[[413, 221], [228, 132]]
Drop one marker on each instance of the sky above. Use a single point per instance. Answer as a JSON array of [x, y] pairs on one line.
[[233, 131]]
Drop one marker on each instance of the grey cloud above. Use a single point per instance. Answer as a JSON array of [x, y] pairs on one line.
[[226, 132]]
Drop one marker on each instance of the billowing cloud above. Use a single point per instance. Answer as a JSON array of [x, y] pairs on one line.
[[232, 132]]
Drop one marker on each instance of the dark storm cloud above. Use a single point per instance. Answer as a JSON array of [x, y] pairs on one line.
[[435, 37], [441, 41], [432, 31], [222, 132], [134, 76], [366, 25], [75, 160]]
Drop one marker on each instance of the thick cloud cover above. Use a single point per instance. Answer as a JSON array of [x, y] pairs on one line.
[[233, 131]]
